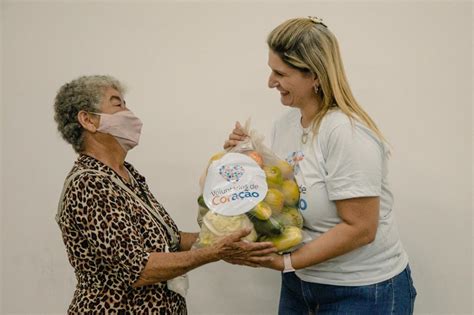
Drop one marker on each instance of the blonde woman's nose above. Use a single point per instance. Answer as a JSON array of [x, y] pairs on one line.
[[272, 82]]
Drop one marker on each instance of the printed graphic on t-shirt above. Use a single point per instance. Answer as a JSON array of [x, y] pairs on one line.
[[293, 159], [302, 204]]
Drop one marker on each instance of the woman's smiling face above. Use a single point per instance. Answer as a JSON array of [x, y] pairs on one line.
[[296, 87]]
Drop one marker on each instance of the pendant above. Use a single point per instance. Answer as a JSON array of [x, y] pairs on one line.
[[304, 138]]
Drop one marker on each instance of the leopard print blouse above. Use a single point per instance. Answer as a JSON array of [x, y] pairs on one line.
[[108, 238]]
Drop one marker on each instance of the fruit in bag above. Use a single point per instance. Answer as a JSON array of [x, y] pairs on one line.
[[275, 199], [206, 238], [291, 192], [276, 218], [290, 237], [290, 216], [216, 226], [217, 156], [256, 157], [285, 168], [274, 177], [261, 211]]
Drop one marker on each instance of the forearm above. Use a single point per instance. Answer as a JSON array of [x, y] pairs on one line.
[[187, 240], [339, 240], [164, 266]]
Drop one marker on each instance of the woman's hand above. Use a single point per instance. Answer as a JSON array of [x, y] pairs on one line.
[[164, 266], [275, 262], [232, 249], [237, 135]]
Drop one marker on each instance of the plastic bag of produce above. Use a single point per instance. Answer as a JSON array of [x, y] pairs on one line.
[[246, 185], [217, 225]]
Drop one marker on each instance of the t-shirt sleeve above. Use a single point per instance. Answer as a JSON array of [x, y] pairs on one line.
[[101, 215], [353, 161]]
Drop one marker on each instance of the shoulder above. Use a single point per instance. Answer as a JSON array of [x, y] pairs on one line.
[[91, 193], [336, 121], [338, 129], [333, 120], [83, 178], [87, 187]]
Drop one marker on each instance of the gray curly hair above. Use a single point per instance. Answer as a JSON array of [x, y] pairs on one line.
[[84, 93]]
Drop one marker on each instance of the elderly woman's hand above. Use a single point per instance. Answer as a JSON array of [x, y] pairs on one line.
[[238, 134], [233, 250]]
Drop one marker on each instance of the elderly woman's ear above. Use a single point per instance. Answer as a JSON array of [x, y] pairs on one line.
[[87, 121]]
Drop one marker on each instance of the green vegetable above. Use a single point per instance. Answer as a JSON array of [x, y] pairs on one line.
[[201, 202], [266, 227]]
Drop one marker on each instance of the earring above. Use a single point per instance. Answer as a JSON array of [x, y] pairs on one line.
[[316, 89]]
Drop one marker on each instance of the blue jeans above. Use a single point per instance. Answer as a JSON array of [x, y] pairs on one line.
[[393, 296]]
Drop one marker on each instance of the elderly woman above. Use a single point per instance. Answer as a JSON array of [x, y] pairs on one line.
[[127, 253]]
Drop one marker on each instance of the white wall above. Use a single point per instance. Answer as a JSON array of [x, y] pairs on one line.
[[193, 68]]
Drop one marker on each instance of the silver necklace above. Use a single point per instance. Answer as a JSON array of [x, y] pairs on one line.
[[304, 135]]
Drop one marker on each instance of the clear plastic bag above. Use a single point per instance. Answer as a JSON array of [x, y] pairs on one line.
[[214, 226], [275, 217]]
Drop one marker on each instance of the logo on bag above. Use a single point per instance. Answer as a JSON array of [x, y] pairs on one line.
[[232, 173], [234, 184]]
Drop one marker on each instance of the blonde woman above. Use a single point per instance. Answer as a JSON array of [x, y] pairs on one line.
[[355, 263]]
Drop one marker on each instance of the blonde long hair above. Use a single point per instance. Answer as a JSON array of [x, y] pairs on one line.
[[309, 46]]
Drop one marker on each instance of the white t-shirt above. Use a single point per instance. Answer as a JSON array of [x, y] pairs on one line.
[[352, 163]]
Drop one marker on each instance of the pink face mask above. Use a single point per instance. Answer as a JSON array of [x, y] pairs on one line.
[[123, 125]]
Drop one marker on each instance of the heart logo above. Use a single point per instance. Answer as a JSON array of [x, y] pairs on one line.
[[232, 173]]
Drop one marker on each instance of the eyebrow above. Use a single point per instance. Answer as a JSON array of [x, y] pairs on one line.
[[113, 97], [276, 70]]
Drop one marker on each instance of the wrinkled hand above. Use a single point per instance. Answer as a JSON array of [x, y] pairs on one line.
[[237, 135], [233, 250]]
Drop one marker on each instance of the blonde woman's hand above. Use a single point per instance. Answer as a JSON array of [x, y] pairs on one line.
[[237, 135], [233, 250], [273, 261]]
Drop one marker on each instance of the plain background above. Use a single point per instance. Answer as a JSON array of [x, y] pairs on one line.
[[193, 69]]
